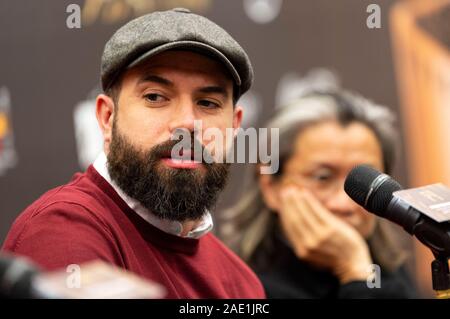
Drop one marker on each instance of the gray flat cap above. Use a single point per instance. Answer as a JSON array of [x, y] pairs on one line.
[[159, 31]]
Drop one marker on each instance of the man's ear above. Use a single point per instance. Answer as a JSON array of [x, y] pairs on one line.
[[237, 118], [105, 116], [269, 189]]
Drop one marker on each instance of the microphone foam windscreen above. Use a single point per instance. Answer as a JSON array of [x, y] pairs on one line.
[[359, 182]]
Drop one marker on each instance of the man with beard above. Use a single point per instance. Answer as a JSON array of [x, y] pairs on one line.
[[139, 207]]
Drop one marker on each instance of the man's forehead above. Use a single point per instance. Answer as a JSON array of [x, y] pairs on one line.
[[184, 61]]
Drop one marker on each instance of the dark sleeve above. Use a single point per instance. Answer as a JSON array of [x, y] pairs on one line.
[[60, 235], [278, 289], [392, 285]]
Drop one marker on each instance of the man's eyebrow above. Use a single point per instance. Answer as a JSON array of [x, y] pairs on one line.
[[156, 79], [214, 89], [207, 89], [324, 164]]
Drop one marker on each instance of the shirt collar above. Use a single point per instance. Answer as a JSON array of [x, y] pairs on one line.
[[168, 226]]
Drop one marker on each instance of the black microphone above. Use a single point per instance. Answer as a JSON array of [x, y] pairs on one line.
[[16, 278], [373, 190]]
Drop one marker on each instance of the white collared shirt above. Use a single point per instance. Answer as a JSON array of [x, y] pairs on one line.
[[168, 226]]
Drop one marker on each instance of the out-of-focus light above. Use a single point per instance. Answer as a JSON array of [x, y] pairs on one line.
[[89, 139], [251, 101], [262, 11]]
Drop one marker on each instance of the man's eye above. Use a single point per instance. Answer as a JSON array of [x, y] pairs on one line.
[[322, 177], [208, 104], [154, 97]]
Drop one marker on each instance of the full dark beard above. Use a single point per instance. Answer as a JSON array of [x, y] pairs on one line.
[[169, 193]]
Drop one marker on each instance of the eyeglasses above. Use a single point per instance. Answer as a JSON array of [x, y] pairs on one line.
[[322, 185]]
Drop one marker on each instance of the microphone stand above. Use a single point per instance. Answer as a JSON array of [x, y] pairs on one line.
[[441, 276]]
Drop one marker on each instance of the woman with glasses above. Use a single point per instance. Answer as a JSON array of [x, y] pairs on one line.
[[297, 228]]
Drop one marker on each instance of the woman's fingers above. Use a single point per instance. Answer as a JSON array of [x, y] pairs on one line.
[[320, 238], [318, 212], [289, 214], [303, 211], [322, 215], [305, 234]]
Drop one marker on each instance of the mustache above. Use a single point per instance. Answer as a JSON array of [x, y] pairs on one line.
[[197, 151]]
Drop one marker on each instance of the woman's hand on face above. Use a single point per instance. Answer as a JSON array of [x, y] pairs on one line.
[[320, 238]]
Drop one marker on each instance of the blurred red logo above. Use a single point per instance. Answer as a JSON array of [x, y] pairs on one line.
[[8, 157]]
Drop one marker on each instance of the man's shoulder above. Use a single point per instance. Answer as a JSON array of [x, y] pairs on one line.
[[78, 192], [79, 199], [68, 216]]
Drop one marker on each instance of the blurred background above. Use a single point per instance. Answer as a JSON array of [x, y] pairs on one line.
[[50, 66]]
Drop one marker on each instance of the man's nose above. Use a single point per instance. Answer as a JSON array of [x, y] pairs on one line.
[[184, 116], [340, 203]]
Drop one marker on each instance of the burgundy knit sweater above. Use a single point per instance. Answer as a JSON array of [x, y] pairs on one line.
[[86, 220]]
